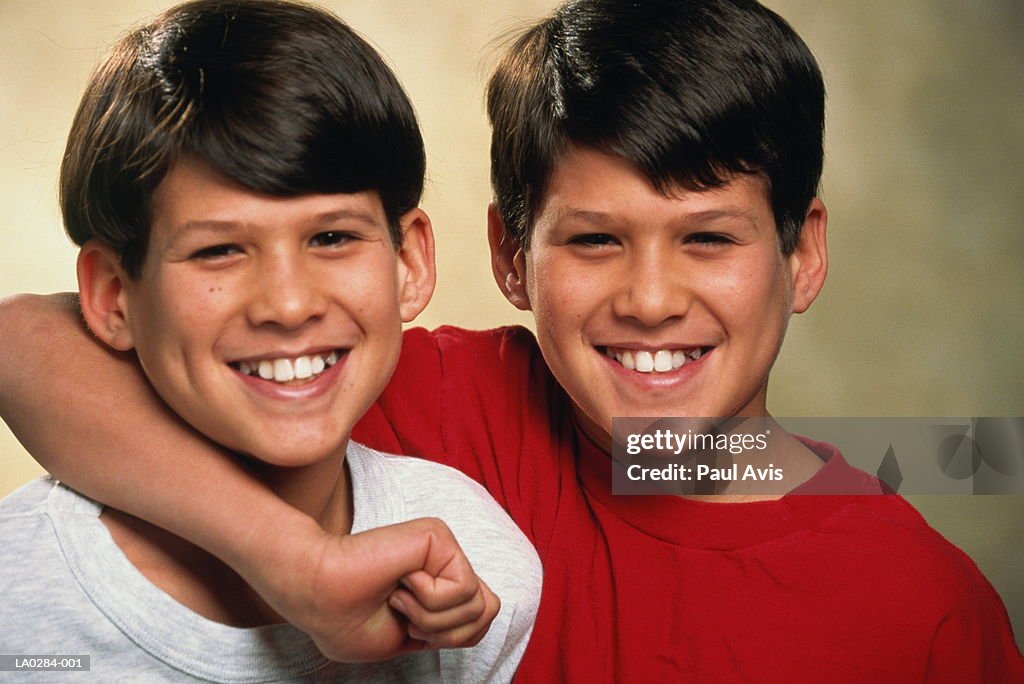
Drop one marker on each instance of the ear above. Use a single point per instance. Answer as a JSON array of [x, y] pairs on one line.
[[508, 261], [809, 261], [417, 272], [101, 293]]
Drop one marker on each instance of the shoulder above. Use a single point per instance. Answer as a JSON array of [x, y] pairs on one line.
[[454, 334], [890, 544], [496, 548], [500, 342], [24, 525], [44, 502], [869, 515], [888, 521], [44, 605], [940, 585], [29, 499], [39, 520], [888, 571], [428, 489], [464, 357]]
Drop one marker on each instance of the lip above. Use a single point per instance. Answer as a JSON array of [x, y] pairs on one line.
[[647, 346], [311, 389]]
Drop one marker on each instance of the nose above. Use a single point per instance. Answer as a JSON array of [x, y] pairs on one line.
[[650, 290], [285, 292]]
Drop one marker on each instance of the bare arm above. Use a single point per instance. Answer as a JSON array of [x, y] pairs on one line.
[[88, 415], [110, 436]]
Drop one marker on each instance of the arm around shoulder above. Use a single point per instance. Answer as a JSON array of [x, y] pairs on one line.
[[55, 374], [44, 334], [86, 412], [29, 320]]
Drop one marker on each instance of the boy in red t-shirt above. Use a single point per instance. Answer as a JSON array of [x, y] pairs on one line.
[[655, 168], [257, 243]]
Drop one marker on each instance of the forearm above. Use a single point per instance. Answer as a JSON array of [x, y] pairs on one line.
[[88, 415], [349, 603]]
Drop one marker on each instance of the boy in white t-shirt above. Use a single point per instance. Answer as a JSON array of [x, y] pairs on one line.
[[243, 180]]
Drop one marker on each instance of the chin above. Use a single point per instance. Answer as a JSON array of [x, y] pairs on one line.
[[298, 458], [287, 454]]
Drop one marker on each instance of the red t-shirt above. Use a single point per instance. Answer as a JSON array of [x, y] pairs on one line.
[[659, 588]]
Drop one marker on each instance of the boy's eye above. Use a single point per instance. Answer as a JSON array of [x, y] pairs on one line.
[[215, 252], [710, 239], [593, 240], [330, 238]]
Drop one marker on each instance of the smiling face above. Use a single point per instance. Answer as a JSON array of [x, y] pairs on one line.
[[269, 324], [655, 305]]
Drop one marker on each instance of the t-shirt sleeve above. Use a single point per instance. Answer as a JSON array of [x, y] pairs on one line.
[[941, 601], [503, 557], [975, 642], [498, 552]]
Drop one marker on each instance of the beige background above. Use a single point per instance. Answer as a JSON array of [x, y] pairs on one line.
[[922, 312]]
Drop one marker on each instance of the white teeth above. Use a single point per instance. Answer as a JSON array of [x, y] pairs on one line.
[[659, 361], [283, 371], [286, 369], [303, 368], [266, 370], [644, 361]]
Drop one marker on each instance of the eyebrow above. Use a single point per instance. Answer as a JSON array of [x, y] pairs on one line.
[[346, 214], [596, 217], [711, 215], [325, 218], [600, 218]]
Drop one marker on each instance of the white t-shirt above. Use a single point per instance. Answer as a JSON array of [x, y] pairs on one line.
[[67, 589]]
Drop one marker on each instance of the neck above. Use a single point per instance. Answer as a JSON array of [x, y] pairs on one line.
[[321, 490], [204, 584]]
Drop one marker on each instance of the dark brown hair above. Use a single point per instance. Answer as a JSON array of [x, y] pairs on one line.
[[688, 91], [280, 97]]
